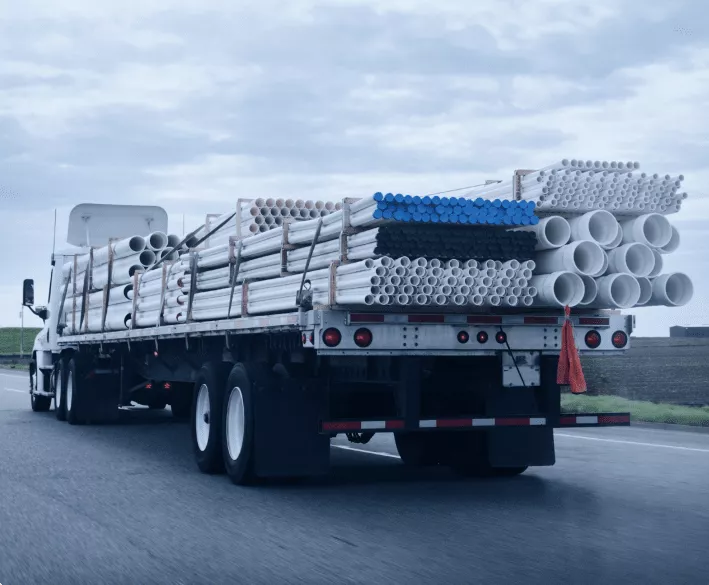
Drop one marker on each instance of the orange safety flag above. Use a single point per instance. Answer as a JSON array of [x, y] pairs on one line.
[[570, 372]]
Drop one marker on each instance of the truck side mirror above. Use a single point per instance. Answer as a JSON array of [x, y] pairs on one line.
[[28, 292]]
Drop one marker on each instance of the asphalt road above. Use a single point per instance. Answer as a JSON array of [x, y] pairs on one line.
[[125, 504]]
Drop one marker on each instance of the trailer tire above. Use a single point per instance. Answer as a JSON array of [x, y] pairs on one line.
[[238, 427], [206, 417], [418, 449]]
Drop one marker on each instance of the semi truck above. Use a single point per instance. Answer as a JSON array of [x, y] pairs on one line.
[[476, 391]]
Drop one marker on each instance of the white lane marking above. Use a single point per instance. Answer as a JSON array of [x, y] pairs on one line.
[[381, 454], [15, 390], [676, 447]]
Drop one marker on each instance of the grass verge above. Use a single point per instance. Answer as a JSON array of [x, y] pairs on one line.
[[639, 410], [10, 339]]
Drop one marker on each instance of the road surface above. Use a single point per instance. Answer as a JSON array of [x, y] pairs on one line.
[[124, 503]]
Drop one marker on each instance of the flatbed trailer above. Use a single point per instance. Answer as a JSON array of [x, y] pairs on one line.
[[476, 391]]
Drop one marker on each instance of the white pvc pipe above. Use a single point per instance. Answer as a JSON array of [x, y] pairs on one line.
[[123, 269], [590, 290], [598, 226], [616, 241], [673, 244], [558, 289], [672, 290], [659, 264], [156, 241], [651, 229], [636, 259], [645, 291], [552, 232], [582, 257], [617, 291]]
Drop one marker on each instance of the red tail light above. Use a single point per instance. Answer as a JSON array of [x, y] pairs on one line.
[[482, 337], [501, 337], [166, 385], [148, 386], [332, 337], [593, 339], [363, 337], [463, 337], [619, 339]]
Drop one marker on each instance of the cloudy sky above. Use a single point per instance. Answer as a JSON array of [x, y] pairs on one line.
[[191, 104]]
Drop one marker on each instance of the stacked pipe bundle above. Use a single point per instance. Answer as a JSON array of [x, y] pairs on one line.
[[467, 252], [383, 281], [576, 186], [262, 215], [448, 242], [594, 260], [130, 255], [454, 210]]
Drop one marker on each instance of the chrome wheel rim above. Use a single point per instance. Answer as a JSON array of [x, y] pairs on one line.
[[201, 420], [235, 425]]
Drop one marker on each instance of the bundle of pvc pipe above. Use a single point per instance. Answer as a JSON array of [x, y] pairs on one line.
[[118, 294], [382, 281], [575, 186], [453, 210], [263, 215], [601, 247]]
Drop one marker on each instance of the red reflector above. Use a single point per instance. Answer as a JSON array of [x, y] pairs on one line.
[[511, 422], [363, 337], [365, 318], [619, 339], [342, 426], [304, 339], [427, 318], [484, 320], [394, 424], [567, 420], [331, 337], [454, 422], [594, 321], [541, 320], [593, 339], [167, 386]]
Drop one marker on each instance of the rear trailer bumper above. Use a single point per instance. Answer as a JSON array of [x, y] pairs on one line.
[[603, 419], [338, 333]]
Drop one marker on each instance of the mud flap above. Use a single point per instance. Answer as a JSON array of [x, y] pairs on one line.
[[521, 447], [286, 438]]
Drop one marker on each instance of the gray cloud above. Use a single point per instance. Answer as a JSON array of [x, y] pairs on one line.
[[197, 106]]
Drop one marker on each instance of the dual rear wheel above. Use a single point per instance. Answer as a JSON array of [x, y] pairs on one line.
[[222, 422]]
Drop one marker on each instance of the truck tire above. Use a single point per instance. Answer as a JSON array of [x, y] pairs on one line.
[[418, 449], [58, 387], [238, 425], [206, 419]]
